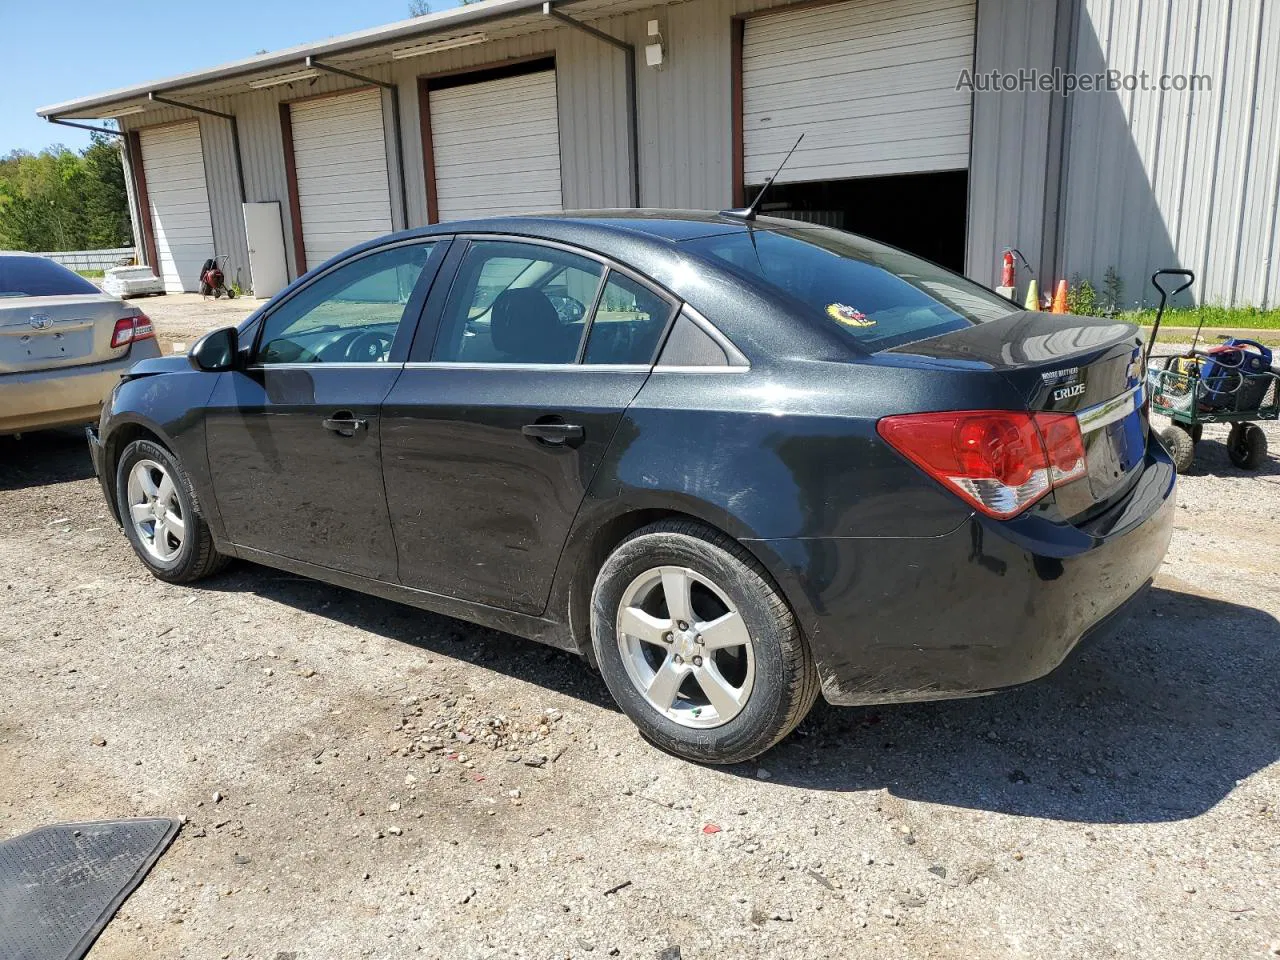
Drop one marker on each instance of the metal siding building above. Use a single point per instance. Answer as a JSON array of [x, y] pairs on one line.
[[1130, 180]]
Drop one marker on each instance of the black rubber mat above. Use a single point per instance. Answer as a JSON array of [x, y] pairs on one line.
[[61, 885]]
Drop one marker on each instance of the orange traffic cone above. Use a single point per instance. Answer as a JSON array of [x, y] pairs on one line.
[[1060, 298]]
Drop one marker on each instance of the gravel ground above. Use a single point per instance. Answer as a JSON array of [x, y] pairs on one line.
[[361, 779], [180, 318]]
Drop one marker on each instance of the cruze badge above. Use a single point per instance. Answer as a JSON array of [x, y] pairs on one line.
[[1066, 393], [40, 321]]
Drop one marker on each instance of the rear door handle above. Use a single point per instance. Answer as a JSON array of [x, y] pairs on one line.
[[344, 423], [552, 432]]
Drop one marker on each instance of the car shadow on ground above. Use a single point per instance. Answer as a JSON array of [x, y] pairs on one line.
[[44, 457], [1155, 723]]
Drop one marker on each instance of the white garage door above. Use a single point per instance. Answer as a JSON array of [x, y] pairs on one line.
[[497, 147], [173, 164], [871, 85], [340, 156]]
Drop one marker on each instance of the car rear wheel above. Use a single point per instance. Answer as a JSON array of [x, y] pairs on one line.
[[697, 646], [160, 515]]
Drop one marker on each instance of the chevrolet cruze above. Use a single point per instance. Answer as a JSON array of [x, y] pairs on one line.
[[735, 463]]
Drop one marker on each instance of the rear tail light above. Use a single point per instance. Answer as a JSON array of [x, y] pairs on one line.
[[999, 461], [131, 329]]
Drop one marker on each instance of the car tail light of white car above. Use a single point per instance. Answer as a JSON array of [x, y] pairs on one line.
[[131, 329], [999, 461]]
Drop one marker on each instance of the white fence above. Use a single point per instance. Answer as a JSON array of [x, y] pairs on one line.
[[92, 259]]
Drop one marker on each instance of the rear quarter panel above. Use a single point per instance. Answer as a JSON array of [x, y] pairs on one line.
[[791, 451]]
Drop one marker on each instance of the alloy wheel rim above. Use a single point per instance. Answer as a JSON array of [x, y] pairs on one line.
[[685, 647], [156, 511]]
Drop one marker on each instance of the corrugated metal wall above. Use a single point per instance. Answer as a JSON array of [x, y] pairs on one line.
[[1150, 179], [1010, 155], [594, 166], [262, 154], [1178, 179], [684, 118]]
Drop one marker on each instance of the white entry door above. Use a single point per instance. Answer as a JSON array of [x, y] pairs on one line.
[[340, 155], [496, 146], [173, 165], [264, 231]]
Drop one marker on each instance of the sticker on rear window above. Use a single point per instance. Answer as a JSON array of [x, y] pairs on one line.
[[849, 316]]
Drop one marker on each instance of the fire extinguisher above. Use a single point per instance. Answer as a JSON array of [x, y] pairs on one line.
[[1006, 273]]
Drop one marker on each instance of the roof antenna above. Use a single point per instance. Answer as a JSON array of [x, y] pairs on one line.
[[748, 212]]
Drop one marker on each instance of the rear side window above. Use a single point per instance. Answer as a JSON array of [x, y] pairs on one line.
[[878, 296], [627, 324], [515, 302], [38, 277]]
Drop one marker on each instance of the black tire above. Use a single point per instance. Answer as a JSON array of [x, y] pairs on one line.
[[1180, 446], [785, 678], [231, 294], [196, 558], [1247, 446], [1196, 433]]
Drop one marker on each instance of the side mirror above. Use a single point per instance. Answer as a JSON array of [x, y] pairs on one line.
[[216, 350]]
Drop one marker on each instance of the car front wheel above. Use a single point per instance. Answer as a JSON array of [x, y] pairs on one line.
[[160, 516], [697, 646]]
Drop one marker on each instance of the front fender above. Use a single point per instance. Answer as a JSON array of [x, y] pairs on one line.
[[168, 404]]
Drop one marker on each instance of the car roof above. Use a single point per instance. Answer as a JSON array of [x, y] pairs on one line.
[[653, 242], [666, 226]]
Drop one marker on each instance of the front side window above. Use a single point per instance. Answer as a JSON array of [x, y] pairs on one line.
[[878, 296], [350, 315], [515, 302], [628, 322]]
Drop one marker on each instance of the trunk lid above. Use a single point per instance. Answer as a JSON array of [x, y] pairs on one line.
[[44, 333], [1088, 366]]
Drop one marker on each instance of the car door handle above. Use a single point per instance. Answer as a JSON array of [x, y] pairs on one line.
[[344, 423], [552, 432]]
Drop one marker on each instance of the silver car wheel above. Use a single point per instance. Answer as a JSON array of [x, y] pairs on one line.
[[686, 647], [155, 510]]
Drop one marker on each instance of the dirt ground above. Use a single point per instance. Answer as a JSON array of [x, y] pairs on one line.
[[361, 779], [180, 318]]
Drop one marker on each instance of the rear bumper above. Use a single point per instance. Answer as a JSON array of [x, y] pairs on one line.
[[66, 396], [989, 605]]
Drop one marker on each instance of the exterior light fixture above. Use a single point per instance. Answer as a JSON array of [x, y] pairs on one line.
[[654, 53], [283, 78], [435, 46]]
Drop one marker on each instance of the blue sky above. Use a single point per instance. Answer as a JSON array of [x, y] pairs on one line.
[[57, 51]]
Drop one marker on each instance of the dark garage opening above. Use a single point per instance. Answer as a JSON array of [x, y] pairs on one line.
[[920, 212]]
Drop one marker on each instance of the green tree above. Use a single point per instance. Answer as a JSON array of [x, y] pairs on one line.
[[58, 199]]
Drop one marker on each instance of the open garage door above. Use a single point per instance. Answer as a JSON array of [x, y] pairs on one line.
[[495, 146], [173, 167], [871, 85], [340, 165]]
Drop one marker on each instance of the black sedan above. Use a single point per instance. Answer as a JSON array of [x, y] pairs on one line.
[[734, 463]]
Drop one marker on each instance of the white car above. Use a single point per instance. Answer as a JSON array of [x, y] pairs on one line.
[[63, 344], [131, 282]]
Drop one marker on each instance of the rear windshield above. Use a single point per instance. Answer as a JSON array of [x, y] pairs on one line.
[[38, 277], [877, 295]]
